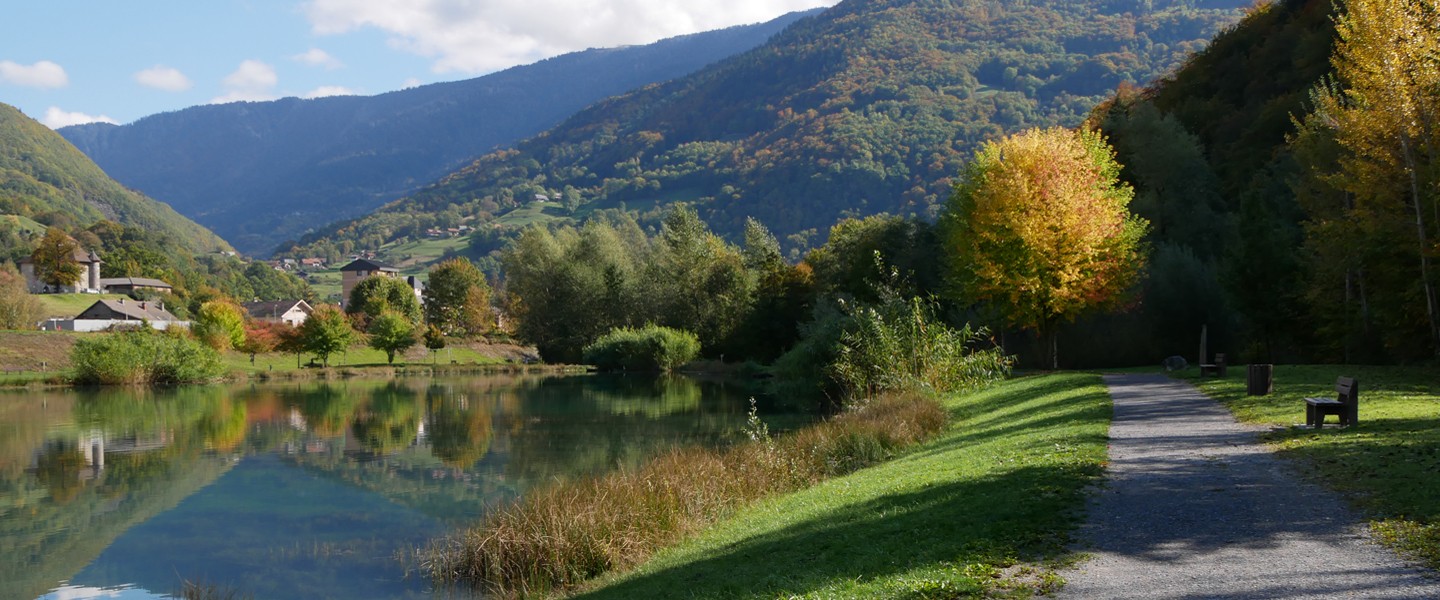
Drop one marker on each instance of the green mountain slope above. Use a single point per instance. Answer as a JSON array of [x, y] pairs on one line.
[[42, 176], [870, 106]]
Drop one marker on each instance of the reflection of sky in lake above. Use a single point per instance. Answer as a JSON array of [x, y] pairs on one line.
[[306, 490], [274, 531]]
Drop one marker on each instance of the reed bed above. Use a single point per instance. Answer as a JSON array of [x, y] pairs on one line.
[[557, 537]]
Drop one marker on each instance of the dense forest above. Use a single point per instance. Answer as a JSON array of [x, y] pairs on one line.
[[258, 173], [1288, 172], [872, 106]]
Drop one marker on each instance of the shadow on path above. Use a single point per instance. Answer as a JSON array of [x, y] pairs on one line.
[[1194, 506]]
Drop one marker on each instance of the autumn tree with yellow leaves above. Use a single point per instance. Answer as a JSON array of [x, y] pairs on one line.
[[1040, 230], [1371, 151]]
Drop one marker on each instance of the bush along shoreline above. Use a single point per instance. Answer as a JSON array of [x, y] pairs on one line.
[[144, 356]]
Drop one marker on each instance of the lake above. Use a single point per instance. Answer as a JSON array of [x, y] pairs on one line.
[[308, 489]]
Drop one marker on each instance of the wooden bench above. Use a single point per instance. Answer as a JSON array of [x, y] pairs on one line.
[[1217, 369], [1345, 404]]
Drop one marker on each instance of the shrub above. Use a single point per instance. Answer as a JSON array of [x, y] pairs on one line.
[[900, 345], [650, 348], [220, 324], [860, 351], [143, 356]]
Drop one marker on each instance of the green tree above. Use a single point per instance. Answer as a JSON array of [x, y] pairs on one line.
[[434, 340], [220, 324], [391, 332], [568, 287], [54, 259], [696, 281], [1040, 229], [457, 298], [325, 332], [375, 295]]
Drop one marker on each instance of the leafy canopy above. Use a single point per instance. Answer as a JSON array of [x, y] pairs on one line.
[[326, 331], [54, 259], [375, 295], [457, 298], [391, 332], [1040, 228]]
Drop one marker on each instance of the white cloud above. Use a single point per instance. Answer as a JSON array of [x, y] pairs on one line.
[[43, 74], [252, 81], [316, 57], [56, 118], [330, 90], [163, 78], [472, 36]]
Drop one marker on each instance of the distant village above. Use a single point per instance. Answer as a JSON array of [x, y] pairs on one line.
[[107, 314]]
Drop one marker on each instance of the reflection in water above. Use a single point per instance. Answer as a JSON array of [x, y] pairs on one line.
[[309, 489]]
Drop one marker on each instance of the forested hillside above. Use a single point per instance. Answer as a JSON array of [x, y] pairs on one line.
[[261, 172], [1288, 172], [43, 178], [872, 106], [45, 182]]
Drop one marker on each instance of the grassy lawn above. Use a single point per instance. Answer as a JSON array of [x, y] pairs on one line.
[[1388, 465], [34, 354], [983, 510], [532, 213], [66, 306], [415, 257]]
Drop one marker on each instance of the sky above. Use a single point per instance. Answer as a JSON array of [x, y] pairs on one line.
[[64, 62]]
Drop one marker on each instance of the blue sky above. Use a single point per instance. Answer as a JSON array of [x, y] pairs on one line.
[[72, 61]]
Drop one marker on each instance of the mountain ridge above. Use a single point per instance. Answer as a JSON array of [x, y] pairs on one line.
[[871, 106], [262, 171]]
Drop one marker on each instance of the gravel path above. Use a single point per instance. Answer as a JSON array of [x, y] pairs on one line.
[[1195, 507]]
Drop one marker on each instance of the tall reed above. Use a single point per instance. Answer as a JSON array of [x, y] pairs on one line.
[[562, 535]]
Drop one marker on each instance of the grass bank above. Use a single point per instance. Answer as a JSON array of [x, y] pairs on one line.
[[1387, 465], [983, 509], [558, 537]]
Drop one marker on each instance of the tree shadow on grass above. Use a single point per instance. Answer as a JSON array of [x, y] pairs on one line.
[[982, 520], [1001, 512]]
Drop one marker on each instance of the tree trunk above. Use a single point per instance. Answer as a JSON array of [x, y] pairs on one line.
[[1420, 232]]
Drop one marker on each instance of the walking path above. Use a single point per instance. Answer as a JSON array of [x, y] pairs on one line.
[[1195, 507]]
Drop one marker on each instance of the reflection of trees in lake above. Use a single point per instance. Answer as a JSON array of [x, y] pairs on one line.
[[328, 409], [446, 447], [94, 464], [389, 421], [459, 428], [652, 397], [59, 468]]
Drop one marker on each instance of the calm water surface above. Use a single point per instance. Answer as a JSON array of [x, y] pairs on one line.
[[306, 490]]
